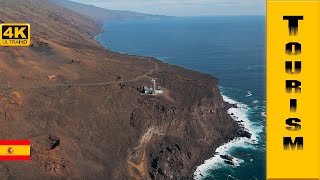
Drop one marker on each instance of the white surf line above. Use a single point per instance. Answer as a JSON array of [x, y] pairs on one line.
[[240, 114], [101, 31]]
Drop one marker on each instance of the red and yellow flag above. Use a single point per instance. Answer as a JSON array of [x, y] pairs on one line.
[[14, 150]]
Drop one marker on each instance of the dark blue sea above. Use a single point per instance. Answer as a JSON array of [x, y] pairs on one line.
[[229, 48]]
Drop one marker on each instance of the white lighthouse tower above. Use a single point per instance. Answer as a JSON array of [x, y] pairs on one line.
[[153, 80]]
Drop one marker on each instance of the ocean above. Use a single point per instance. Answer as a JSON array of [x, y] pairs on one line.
[[231, 48]]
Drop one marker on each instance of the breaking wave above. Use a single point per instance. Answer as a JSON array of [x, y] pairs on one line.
[[240, 114]]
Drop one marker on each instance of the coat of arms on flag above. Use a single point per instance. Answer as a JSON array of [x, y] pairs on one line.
[[14, 150]]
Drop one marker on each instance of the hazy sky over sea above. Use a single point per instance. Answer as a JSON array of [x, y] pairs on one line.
[[184, 7]]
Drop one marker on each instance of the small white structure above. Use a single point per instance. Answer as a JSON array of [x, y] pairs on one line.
[[154, 90], [148, 90], [153, 80], [158, 90]]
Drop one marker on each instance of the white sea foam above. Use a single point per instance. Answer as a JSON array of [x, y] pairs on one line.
[[255, 101], [101, 31], [249, 94], [239, 114], [165, 57], [95, 37]]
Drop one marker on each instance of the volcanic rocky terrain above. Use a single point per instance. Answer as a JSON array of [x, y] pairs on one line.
[[78, 104]]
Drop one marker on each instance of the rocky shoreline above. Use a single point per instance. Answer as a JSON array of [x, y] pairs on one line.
[[89, 121], [157, 167]]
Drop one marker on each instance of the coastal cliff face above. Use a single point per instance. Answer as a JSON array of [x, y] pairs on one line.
[[78, 104]]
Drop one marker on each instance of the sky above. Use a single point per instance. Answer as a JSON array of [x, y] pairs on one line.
[[184, 7]]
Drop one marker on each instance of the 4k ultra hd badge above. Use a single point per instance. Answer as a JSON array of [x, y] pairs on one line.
[[15, 34]]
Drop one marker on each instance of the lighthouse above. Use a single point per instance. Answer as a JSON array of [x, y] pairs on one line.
[[153, 80]]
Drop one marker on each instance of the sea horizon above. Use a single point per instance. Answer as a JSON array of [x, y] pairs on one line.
[[152, 36]]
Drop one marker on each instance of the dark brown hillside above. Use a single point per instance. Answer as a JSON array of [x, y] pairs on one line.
[[78, 104]]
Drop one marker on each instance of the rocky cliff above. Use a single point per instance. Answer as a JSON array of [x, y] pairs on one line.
[[78, 104]]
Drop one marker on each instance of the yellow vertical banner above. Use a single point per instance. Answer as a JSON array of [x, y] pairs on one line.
[[293, 88]]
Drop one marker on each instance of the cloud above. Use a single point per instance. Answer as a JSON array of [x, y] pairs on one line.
[[185, 7]]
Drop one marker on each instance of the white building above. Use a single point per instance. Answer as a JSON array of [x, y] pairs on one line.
[[158, 90]]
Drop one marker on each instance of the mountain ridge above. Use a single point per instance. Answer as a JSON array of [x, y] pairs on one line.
[[103, 14]]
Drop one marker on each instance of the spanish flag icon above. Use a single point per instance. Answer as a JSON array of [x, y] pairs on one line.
[[14, 150]]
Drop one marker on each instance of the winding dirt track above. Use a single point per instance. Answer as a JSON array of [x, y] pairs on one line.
[[146, 75]]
